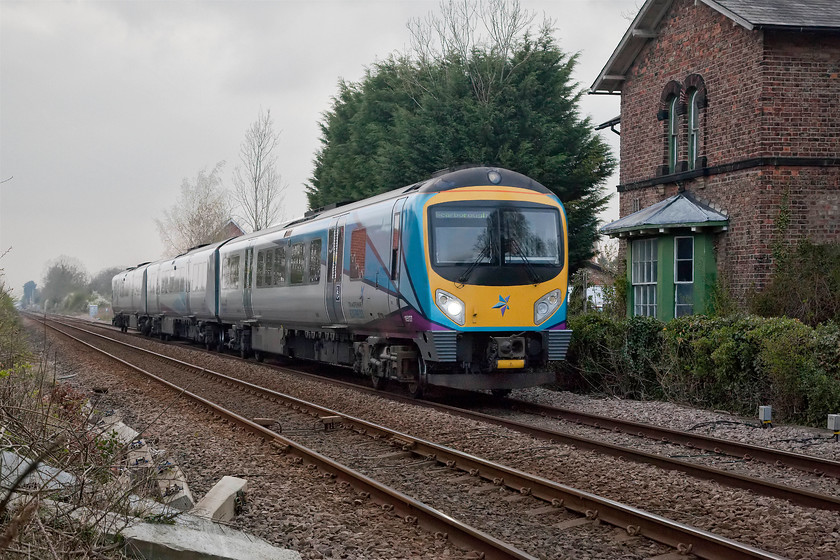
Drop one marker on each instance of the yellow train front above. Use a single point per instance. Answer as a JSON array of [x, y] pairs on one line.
[[483, 285]]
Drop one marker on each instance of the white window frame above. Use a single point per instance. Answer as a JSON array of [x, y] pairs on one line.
[[677, 282], [693, 129], [673, 135], [643, 277]]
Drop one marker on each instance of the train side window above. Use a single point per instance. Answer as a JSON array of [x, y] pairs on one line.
[[279, 267], [268, 267], [231, 271], [315, 261], [358, 242], [234, 272], [260, 268], [296, 264]]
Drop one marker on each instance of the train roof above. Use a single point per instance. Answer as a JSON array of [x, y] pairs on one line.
[[442, 181]]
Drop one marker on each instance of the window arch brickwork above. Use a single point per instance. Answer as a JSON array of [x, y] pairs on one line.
[[671, 108], [683, 137]]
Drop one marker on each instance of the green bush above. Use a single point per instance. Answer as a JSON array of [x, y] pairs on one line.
[[805, 284], [618, 357], [735, 363]]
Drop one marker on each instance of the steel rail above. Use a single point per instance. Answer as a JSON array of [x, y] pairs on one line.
[[638, 522], [795, 495], [410, 509], [814, 465]]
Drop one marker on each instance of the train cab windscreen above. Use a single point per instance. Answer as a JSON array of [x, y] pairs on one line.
[[495, 245]]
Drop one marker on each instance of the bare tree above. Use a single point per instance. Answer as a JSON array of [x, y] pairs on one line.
[[257, 184], [199, 215], [454, 37]]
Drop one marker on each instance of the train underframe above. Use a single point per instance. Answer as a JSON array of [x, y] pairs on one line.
[[471, 361]]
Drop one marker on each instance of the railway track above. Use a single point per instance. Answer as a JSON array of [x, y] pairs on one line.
[[719, 447], [555, 497], [813, 465]]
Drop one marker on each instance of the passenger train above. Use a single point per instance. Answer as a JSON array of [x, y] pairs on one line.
[[458, 281]]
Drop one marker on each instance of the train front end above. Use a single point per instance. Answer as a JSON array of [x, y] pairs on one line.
[[494, 279]]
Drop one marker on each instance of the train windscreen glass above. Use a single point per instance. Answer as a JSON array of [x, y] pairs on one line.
[[496, 236], [463, 236], [530, 235]]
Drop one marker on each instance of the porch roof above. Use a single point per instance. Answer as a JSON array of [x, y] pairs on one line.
[[679, 211]]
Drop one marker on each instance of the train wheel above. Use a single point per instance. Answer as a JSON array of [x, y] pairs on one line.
[[415, 387], [500, 393], [258, 356]]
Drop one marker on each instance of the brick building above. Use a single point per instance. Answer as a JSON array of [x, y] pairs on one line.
[[730, 142]]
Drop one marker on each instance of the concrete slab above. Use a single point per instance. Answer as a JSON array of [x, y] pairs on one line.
[[174, 490], [124, 433], [174, 542], [172, 484], [186, 537], [219, 503], [12, 467]]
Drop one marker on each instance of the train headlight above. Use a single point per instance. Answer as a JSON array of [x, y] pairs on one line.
[[451, 306], [546, 306]]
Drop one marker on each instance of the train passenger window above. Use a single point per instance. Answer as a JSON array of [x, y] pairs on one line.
[[260, 268], [296, 264], [358, 243], [231, 272], [267, 274], [279, 267], [315, 261]]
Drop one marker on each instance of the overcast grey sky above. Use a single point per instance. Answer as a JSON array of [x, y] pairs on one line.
[[106, 106]]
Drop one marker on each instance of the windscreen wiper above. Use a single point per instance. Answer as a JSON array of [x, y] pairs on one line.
[[532, 272], [485, 252]]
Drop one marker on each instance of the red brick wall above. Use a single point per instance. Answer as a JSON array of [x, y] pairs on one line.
[[693, 40], [769, 94], [800, 101]]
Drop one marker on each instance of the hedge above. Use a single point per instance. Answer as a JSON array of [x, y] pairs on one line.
[[733, 363]]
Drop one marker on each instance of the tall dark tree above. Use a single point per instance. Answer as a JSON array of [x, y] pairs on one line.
[[29, 293], [101, 282], [508, 102], [65, 279]]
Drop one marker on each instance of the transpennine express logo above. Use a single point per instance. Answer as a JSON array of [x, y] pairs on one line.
[[503, 304]]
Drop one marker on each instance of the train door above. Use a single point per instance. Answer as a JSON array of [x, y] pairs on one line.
[[396, 257], [215, 276], [335, 252], [248, 280]]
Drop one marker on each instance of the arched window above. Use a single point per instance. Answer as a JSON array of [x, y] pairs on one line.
[[673, 134], [693, 128], [695, 103], [670, 110]]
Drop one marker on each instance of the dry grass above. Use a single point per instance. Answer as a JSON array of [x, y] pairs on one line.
[[83, 491]]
